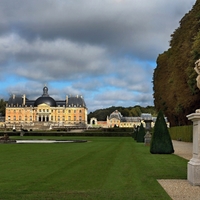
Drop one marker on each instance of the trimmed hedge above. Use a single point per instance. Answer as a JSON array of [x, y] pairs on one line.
[[141, 133], [63, 133], [182, 133], [161, 142]]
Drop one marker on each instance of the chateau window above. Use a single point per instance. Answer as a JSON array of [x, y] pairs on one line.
[[39, 110], [51, 118], [14, 118], [58, 111], [43, 110], [74, 111], [20, 118], [14, 111], [47, 110], [74, 118], [63, 111], [79, 111], [69, 118], [30, 118], [8, 117], [63, 119], [80, 118]]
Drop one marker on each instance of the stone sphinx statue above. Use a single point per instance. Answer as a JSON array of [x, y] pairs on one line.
[[197, 69], [5, 137]]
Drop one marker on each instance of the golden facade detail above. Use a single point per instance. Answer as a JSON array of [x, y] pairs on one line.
[[46, 111]]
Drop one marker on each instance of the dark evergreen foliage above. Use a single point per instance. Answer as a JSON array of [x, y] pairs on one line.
[[2, 107], [161, 142], [174, 79], [135, 132], [141, 133]]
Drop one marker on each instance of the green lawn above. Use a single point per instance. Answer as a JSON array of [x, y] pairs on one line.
[[104, 168]]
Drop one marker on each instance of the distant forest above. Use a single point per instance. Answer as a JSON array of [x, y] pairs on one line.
[[174, 79], [135, 111]]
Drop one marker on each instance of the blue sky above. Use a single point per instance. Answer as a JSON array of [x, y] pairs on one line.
[[105, 51]]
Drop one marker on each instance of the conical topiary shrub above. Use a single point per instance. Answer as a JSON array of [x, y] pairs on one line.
[[135, 130], [141, 133], [161, 142]]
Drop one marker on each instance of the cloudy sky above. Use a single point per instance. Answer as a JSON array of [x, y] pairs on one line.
[[104, 50]]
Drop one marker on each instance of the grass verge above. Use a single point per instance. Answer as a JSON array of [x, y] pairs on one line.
[[104, 168]]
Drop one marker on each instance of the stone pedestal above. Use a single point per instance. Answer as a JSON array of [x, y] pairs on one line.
[[147, 139], [193, 168]]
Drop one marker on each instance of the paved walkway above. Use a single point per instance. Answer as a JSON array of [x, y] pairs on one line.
[[183, 149], [181, 189]]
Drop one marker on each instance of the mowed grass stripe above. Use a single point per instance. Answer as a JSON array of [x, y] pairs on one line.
[[105, 168]]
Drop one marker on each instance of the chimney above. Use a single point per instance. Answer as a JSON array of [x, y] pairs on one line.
[[66, 100], [24, 100]]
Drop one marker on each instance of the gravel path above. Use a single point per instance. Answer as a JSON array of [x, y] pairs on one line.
[[183, 149], [181, 189]]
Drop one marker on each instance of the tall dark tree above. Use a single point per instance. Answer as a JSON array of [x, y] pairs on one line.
[[174, 79], [161, 142], [2, 107]]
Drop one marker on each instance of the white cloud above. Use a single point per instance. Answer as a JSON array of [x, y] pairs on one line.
[[101, 49]]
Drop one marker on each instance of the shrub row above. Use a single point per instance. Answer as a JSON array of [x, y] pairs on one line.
[[62, 133], [181, 133]]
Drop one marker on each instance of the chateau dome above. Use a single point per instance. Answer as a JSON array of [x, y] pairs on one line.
[[45, 98]]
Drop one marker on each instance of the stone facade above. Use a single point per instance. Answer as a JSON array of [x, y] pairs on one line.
[[117, 120], [45, 112]]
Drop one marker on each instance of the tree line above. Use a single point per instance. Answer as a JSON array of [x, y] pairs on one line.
[[136, 111], [174, 78]]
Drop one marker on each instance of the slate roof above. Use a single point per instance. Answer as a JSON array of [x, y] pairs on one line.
[[130, 119], [72, 101], [15, 100], [116, 114]]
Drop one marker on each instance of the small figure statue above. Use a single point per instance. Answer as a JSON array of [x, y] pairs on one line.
[[197, 69]]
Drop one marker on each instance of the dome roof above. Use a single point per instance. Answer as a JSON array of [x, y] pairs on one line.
[[45, 98]]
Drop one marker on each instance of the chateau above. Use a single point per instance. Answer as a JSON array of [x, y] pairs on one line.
[[45, 112], [117, 120]]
